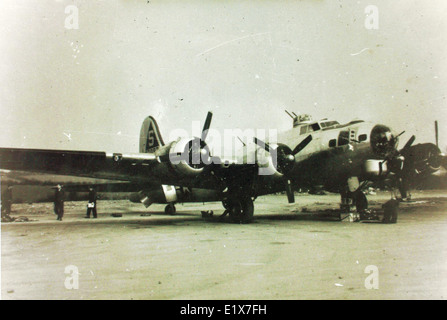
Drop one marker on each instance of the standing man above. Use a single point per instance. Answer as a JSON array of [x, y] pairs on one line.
[[59, 202], [6, 203], [91, 206]]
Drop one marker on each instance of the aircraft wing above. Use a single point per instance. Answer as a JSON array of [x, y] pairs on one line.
[[100, 165], [139, 168], [16, 177], [183, 162]]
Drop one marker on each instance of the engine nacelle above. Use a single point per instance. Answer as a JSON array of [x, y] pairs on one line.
[[188, 157], [425, 158], [275, 162], [165, 194], [174, 194], [170, 193], [266, 165], [375, 168]]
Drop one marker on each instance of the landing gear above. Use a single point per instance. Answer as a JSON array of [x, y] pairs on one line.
[[240, 210], [239, 196], [360, 200], [170, 209], [350, 199], [403, 188]]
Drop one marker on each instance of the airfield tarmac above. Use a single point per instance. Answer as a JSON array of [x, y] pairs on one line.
[[288, 252]]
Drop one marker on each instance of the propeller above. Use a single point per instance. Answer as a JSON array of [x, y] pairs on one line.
[[411, 160], [302, 145], [384, 144], [283, 156], [285, 160], [207, 125], [442, 155], [403, 168], [408, 144], [436, 134], [262, 144], [197, 147], [395, 157], [427, 153]]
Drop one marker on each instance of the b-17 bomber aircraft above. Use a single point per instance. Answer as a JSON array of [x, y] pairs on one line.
[[341, 158]]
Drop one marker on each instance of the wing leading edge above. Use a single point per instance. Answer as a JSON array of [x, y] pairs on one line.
[[78, 163]]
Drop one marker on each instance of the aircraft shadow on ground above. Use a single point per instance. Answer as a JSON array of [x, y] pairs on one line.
[[150, 219], [195, 218], [300, 216], [181, 219], [192, 218]]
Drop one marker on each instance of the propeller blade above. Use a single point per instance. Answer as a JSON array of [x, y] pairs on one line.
[[302, 145], [195, 152], [409, 143], [290, 193], [444, 161], [262, 144], [436, 133], [207, 125]]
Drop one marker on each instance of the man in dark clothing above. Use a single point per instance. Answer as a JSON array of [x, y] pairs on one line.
[[91, 206], [6, 203], [59, 202]]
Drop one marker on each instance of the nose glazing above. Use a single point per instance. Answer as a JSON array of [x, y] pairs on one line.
[[383, 141]]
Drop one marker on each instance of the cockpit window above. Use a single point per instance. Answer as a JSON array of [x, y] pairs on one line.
[[332, 143], [310, 128], [363, 137], [328, 124], [315, 127]]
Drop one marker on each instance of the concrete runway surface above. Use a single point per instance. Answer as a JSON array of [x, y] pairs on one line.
[[288, 252]]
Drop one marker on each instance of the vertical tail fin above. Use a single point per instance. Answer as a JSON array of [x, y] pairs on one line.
[[150, 136]]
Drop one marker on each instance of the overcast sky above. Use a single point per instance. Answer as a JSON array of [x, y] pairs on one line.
[[90, 88]]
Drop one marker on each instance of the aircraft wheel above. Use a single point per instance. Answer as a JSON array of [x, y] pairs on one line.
[[361, 202], [170, 209], [226, 204], [241, 211]]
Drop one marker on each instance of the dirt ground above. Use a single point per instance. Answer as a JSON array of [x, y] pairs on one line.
[[288, 252]]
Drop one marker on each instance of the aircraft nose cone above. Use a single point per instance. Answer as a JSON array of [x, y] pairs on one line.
[[382, 140]]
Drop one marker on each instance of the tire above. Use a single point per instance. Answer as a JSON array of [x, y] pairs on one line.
[[170, 209], [391, 209], [242, 211]]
